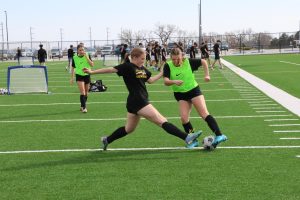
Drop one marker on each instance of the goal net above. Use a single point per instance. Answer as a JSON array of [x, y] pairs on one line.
[[27, 79], [111, 60], [26, 61]]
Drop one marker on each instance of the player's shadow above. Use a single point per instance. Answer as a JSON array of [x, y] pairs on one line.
[[101, 158]]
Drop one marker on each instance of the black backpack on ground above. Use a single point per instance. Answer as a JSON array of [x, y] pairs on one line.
[[97, 86]]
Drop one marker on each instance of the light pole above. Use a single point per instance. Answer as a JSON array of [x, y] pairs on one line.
[[107, 30], [31, 38], [200, 25], [91, 44], [6, 30]]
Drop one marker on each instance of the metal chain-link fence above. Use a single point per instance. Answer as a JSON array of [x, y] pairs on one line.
[[257, 43]]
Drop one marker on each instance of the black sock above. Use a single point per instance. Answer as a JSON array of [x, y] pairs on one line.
[[82, 101], [173, 130], [213, 125], [85, 100], [188, 127], [120, 132]]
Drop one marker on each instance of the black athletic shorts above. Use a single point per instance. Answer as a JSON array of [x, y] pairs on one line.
[[217, 56], [86, 79], [187, 96], [42, 60], [133, 106], [204, 56]]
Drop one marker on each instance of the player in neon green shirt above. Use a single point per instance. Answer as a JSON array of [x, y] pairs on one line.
[[80, 61], [178, 73]]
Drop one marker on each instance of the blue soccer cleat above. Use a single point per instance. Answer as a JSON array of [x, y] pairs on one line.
[[192, 136], [195, 143], [218, 139]]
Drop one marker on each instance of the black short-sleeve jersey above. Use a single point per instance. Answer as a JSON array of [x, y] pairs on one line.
[[134, 78]]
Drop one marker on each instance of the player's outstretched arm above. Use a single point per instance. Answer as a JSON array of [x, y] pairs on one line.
[[156, 77], [206, 71], [100, 71]]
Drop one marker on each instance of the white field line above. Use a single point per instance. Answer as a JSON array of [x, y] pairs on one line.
[[123, 119], [293, 138], [250, 92], [284, 125], [270, 104], [122, 85], [289, 62], [240, 90], [267, 108], [104, 80], [252, 96], [287, 131], [270, 120], [298, 156], [144, 149], [111, 102], [124, 92], [271, 111], [255, 102], [285, 99]]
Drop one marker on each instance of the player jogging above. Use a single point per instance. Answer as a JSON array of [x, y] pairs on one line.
[[80, 61], [217, 54], [205, 52]]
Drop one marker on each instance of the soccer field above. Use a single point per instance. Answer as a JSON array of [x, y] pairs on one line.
[[281, 70], [50, 150]]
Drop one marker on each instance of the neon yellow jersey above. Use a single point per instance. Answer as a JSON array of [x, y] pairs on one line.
[[183, 72], [80, 63]]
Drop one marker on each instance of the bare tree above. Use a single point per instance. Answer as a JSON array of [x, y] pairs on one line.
[[127, 36], [164, 32], [140, 36]]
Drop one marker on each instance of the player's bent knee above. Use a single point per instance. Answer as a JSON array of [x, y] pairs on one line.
[[129, 130]]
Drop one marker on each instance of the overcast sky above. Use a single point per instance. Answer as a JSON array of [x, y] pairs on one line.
[[107, 18]]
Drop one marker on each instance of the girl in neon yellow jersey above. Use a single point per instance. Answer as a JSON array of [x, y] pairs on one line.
[[80, 61], [178, 73]]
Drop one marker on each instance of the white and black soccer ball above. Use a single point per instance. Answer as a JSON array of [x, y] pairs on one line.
[[207, 142], [3, 91]]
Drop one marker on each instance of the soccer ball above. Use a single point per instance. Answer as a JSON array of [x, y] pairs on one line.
[[207, 142], [3, 91]]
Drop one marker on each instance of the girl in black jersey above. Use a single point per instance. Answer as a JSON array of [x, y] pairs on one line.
[[205, 52], [216, 48], [42, 55], [178, 73], [193, 50], [135, 75], [163, 55]]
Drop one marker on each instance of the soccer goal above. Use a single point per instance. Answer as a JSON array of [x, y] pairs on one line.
[[110, 60], [26, 61], [27, 79]]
